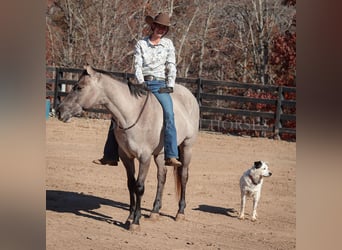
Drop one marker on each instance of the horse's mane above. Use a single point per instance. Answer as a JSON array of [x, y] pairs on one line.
[[107, 73], [137, 89], [134, 89]]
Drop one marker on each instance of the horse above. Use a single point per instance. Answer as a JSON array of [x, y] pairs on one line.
[[139, 132]]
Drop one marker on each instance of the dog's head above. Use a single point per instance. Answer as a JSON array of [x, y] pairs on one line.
[[262, 168]]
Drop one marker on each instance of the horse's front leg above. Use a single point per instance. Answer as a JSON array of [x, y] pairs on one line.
[[144, 164], [131, 187], [161, 176], [131, 183]]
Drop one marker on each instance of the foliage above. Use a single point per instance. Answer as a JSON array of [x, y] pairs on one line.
[[248, 41], [221, 40], [284, 58]]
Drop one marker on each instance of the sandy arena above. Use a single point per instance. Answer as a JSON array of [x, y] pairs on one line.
[[87, 205]]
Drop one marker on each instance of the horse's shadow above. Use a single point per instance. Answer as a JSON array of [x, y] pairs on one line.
[[82, 205], [231, 212]]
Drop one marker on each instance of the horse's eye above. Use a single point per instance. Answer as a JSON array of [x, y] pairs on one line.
[[77, 87]]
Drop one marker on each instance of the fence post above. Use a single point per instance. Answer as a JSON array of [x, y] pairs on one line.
[[279, 111], [199, 91], [57, 88], [199, 98]]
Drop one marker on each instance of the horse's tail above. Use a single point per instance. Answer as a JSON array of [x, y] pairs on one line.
[[177, 171]]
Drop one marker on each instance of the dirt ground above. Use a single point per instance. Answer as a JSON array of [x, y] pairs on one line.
[[87, 205]]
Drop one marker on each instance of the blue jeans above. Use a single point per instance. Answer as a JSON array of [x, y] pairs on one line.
[[170, 134]]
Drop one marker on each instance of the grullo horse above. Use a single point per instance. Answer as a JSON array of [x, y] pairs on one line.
[[139, 132]]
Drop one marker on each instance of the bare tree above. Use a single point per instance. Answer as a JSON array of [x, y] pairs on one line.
[[255, 23], [221, 39], [184, 36], [204, 36]]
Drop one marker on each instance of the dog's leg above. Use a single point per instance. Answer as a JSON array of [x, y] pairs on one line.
[[242, 208], [255, 205]]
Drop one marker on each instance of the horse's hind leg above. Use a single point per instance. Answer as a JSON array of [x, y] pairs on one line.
[[185, 153], [161, 176]]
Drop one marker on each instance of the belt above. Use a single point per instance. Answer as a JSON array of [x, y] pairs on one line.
[[153, 78]]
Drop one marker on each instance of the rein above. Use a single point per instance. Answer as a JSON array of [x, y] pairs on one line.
[[141, 111]]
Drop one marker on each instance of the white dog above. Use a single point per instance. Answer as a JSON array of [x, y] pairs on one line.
[[250, 185]]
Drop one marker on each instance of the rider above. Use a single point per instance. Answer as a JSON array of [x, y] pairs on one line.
[[155, 67]]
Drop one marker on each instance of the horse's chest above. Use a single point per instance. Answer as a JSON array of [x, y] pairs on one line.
[[136, 143]]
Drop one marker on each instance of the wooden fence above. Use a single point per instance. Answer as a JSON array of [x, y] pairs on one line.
[[226, 107]]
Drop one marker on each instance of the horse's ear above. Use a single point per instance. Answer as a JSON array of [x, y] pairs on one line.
[[90, 70]]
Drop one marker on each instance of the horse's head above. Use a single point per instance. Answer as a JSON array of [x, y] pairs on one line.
[[84, 94]]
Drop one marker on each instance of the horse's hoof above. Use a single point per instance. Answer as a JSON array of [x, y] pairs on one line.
[[129, 221], [154, 216], [127, 224], [180, 217], [134, 227]]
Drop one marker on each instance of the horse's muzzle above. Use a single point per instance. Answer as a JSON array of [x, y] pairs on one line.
[[62, 114]]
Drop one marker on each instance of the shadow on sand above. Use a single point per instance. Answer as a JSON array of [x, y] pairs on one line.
[[231, 212], [82, 205]]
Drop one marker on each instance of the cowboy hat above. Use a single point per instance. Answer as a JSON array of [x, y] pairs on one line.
[[161, 18]]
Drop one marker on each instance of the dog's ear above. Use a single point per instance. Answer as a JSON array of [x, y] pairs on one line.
[[257, 164]]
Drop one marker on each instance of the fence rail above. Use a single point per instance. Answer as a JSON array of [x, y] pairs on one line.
[[228, 107]]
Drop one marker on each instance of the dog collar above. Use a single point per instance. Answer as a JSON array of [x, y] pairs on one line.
[[255, 183]]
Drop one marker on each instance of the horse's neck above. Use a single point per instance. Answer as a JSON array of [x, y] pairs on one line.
[[123, 106]]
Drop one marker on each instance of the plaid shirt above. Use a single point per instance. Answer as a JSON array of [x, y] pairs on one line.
[[156, 60]]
